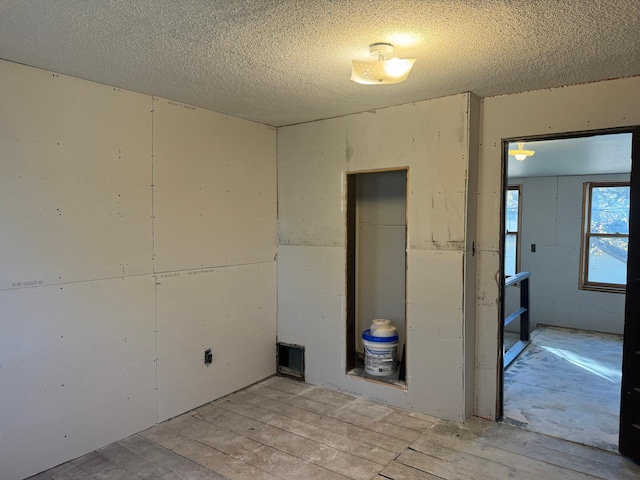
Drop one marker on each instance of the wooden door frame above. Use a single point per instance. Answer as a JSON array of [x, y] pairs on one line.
[[629, 437]]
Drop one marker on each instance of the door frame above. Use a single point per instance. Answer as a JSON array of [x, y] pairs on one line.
[[631, 331], [629, 437]]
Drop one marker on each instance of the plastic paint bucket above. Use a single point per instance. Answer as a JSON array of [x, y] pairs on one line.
[[380, 354]]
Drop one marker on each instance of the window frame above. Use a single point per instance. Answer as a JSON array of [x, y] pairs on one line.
[[585, 241], [517, 187]]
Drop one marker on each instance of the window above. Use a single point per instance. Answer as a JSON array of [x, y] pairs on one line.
[[512, 229], [605, 237]]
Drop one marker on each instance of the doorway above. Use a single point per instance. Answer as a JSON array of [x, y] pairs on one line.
[[576, 295]]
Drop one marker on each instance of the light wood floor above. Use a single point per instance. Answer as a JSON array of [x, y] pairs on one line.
[[282, 429]]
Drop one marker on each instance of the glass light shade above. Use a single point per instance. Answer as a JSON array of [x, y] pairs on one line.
[[398, 67], [381, 72], [520, 153]]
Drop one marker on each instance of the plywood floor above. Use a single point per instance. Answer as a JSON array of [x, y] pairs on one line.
[[567, 384], [282, 429]]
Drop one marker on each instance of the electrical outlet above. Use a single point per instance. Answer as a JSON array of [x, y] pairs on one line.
[[208, 356]]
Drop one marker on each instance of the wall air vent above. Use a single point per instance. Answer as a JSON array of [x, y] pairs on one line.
[[291, 360]]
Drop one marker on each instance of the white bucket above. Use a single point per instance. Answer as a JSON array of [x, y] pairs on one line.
[[380, 354]]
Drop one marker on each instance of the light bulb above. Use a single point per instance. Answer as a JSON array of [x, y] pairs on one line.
[[397, 67], [520, 156], [385, 70]]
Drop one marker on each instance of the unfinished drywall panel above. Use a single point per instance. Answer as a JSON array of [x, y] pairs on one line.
[[231, 309], [78, 205], [552, 220], [431, 140], [435, 337], [556, 299], [381, 278], [312, 212], [538, 227], [75, 184], [428, 137], [488, 300], [589, 107], [540, 230], [215, 200], [311, 312], [215, 213], [77, 370], [311, 304]]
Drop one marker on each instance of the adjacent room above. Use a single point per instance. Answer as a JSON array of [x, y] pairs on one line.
[[266, 239], [567, 225]]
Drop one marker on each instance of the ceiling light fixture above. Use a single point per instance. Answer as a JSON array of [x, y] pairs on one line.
[[520, 153], [384, 70]]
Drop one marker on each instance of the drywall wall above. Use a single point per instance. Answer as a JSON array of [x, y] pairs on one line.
[[77, 369], [77, 347], [111, 286], [552, 220], [215, 219], [214, 189], [199, 309], [76, 180], [594, 106], [431, 140]]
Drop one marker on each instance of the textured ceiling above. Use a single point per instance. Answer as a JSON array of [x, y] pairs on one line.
[[282, 62]]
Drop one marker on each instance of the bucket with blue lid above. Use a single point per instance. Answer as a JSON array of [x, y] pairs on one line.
[[380, 343]]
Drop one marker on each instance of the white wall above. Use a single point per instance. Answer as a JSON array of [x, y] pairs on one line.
[[215, 218], [103, 273], [431, 138], [552, 220], [578, 108]]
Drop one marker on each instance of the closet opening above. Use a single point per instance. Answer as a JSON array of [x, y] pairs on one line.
[[376, 275]]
